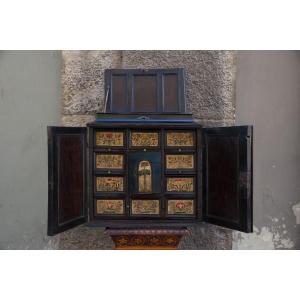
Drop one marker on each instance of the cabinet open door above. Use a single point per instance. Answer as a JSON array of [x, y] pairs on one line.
[[66, 178], [227, 186]]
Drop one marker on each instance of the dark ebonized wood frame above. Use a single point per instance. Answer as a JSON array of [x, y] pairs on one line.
[[163, 218]]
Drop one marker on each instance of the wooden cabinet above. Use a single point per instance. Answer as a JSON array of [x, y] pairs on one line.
[[122, 175], [146, 163]]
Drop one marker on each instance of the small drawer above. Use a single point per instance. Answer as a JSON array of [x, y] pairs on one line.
[[144, 139], [181, 207], [110, 207], [180, 139], [180, 185], [180, 161], [109, 184], [109, 139], [145, 207], [109, 161]]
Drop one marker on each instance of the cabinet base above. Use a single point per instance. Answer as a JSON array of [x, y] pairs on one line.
[[146, 239]]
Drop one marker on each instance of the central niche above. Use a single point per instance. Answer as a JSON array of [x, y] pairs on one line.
[[144, 172], [144, 177]]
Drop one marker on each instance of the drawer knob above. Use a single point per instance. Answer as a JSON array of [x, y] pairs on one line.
[[179, 150], [108, 172], [144, 149]]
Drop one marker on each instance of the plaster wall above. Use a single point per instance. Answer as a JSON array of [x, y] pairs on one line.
[[29, 101], [268, 96]]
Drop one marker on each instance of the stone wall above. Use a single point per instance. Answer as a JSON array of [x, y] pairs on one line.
[[210, 94], [210, 81]]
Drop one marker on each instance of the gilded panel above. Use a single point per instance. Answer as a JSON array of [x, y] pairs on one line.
[[145, 207], [110, 207], [109, 161], [144, 139], [183, 184], [109, 184], [110, 139], [180, 139], [180, 161], [182, 207]]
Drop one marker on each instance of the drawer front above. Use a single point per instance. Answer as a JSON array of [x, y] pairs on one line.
[[109, 161], [181, 206], [180, 161], [109, 139], [109, 184], [180, 139], [145, 207], [110, 207], [144, 139], [180, 184]]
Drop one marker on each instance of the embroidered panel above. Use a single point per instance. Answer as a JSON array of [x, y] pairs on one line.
[[180, 139], [182, 184], [144, 139], [144, 207], [109, 161], [180, 161], [110, 139], [182, 207], [145, 177], [110, 207], [109, 184]]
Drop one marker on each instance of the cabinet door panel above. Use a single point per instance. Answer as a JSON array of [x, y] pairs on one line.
[[228, 177], [67, 178]]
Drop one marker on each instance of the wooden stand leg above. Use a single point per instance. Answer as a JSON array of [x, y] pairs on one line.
[[146, 239]]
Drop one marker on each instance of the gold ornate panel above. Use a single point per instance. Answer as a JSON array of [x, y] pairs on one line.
[[144, 139], [109, 161], [182, 184], [109, 184], [144, 207], [180, 161], [180, 139], [110, 207], [109, 139], [181, 207]]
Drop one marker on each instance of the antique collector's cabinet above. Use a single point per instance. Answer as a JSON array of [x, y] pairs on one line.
[[145, 163]]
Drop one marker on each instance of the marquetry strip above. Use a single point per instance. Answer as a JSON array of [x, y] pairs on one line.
[[144, 139], [179, 161], [110, 139], [144, 207], [109, 184], [181, 184], [110, 207], [180, 139], [109, 161], [181, 207]]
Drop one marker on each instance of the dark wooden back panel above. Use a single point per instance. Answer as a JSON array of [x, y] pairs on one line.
[[170, 93], [119, 94], [145, 91], [228, 177], [67, 173]]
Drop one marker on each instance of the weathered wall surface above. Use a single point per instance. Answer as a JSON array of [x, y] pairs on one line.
[[210, 93], [268, 96], [210, 81], [29, 101]]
